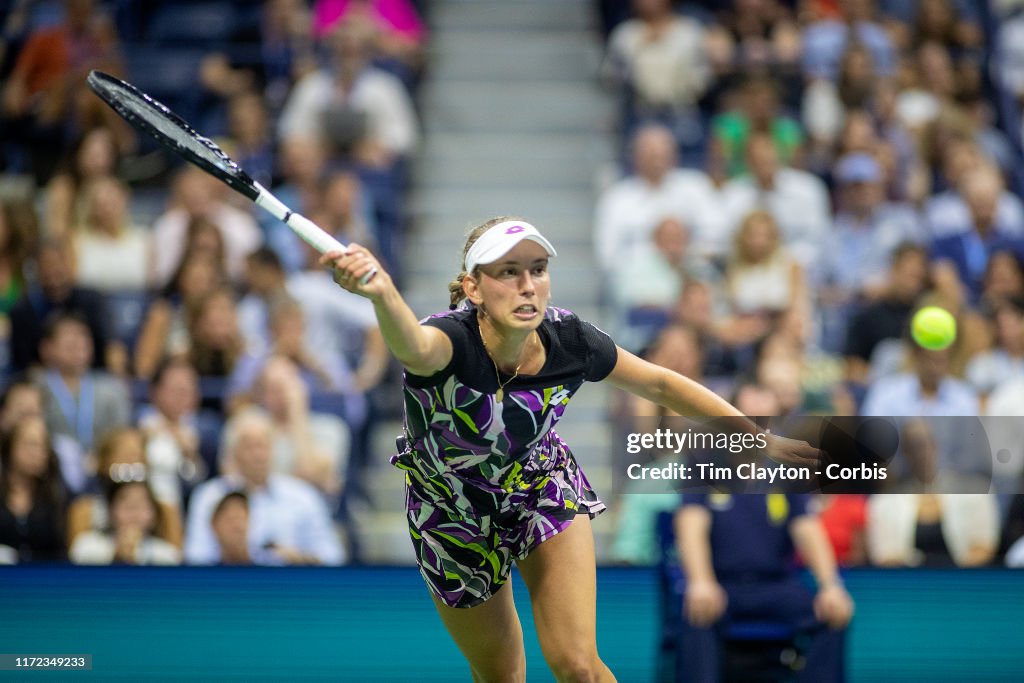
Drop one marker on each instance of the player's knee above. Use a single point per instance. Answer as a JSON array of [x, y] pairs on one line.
[[511, 670], [576, 667]]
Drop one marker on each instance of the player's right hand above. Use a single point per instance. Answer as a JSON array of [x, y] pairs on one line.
[[352, 266], [704, 603]]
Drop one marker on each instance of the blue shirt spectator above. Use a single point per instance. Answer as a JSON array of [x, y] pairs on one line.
[[825, 42]]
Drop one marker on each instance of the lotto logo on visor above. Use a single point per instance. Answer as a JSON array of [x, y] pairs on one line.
[[500, 239]]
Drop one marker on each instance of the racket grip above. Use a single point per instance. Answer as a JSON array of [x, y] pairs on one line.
[[318, 239]]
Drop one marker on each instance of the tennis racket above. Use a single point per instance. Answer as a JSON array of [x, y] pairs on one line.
[[170, 130]]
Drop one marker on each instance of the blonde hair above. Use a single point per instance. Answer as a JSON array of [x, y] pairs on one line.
[[455, 286]]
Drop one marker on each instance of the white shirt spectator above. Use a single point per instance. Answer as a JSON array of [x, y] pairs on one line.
[[391, 118], [238, 229], [335, 319], [95, 547], [799, 202], [113, 265], [286, 513], [947, 214], [900, 395], [630, 210]]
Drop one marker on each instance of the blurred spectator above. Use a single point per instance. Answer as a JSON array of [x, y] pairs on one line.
[[164, 329], [927, 390], [866, 231], [753, 36], [249, 136], [886, 318], [32, 496], [121, 458], [132, 536], [95, 156], [198, 195], [46, 90], [1005, 360], [216, 342], [826, 103], [22, 399], [825, 40], [342, 211], [113, 254], [844, 518], [762, 279], [738, 554], [55, 293], [1004, 279], [629, 211], [288, 523], [658, 57], [698, 309], [797, 200], [932, 88], [931, 524], [941, 22], [302, 159], [677, 348], [80, 403], [169, 423], [264, 281], [947, 212], [267, 55], [969, 246], [15, 246], [400, 31], [758, 114], [359, 110], [230, 524]]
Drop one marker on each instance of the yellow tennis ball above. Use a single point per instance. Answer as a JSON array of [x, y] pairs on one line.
[[933, 328]]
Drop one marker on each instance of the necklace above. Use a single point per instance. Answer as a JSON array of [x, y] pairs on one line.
[[500, 393]]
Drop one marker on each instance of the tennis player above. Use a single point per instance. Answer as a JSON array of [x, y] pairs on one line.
[[489, 482]]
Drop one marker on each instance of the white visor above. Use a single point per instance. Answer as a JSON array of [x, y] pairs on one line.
[[500, 239]]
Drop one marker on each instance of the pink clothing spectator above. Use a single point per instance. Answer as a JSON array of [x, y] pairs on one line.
[[396, 17]]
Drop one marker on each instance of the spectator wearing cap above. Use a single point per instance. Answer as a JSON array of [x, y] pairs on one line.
[[867, 229]]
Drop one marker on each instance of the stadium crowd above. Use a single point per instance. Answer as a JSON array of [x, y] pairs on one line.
[[182, 383]]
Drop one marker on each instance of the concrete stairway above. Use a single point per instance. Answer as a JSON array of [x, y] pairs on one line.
[[514, 123]]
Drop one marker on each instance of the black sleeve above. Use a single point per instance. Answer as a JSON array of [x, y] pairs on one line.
[[602, 353], [857, 342], [458, 333]]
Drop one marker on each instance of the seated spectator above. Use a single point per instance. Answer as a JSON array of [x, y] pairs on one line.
[[677, 348], [943, 21], [132, 536], [289, 522], [658, 58], [629, 211], [758, 114], [95, 156], [216, 342], [45, 93], [826, 39], [249, 137], [79, 402], [949, 213], [113, 254], [264, 281], [359, 110], [400, 31], [302, 158], [55, 292], [267, 55], [969, 249], [230, 524], [797, 200], [32, 496], [121, 458], [165, 330], [22, 399], [1003, 281], [867, 230], [738, 555], [754, 36], [931, 524], [14, 250], [719, 334], [343, 213], [826, 103], [928, 390], [170, 427], [198, 195], [1005, 360], [886, 319], [762, 279]]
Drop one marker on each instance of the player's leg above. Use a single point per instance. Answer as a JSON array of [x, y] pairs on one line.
[[561, 575], [489, 636]]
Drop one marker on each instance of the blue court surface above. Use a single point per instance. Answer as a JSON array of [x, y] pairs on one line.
[[378, 624]]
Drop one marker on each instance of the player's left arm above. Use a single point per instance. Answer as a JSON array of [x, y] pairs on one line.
[[832, 604]]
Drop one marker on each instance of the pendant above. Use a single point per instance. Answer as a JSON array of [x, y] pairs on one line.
[[500, 394]]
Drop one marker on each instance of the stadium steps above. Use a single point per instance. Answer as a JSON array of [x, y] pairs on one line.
[[514, 121]]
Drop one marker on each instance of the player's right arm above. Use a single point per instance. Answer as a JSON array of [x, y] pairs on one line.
[[421, 350]]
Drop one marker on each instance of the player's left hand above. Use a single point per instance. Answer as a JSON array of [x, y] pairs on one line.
[[833, 606], [788, 451]]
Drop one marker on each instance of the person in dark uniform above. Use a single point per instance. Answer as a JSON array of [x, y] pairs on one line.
[[738, 555]]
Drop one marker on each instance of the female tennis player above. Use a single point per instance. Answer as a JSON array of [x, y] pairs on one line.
[[489, 482]]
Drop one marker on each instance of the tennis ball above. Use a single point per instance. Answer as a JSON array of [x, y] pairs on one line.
[[933, 328]]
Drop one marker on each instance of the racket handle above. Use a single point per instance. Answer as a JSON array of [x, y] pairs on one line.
[[309, 231]]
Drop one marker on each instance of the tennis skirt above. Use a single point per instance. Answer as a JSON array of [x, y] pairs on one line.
[[466, 558]]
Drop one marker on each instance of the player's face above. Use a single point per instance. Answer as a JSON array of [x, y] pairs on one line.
[[515, 290]]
